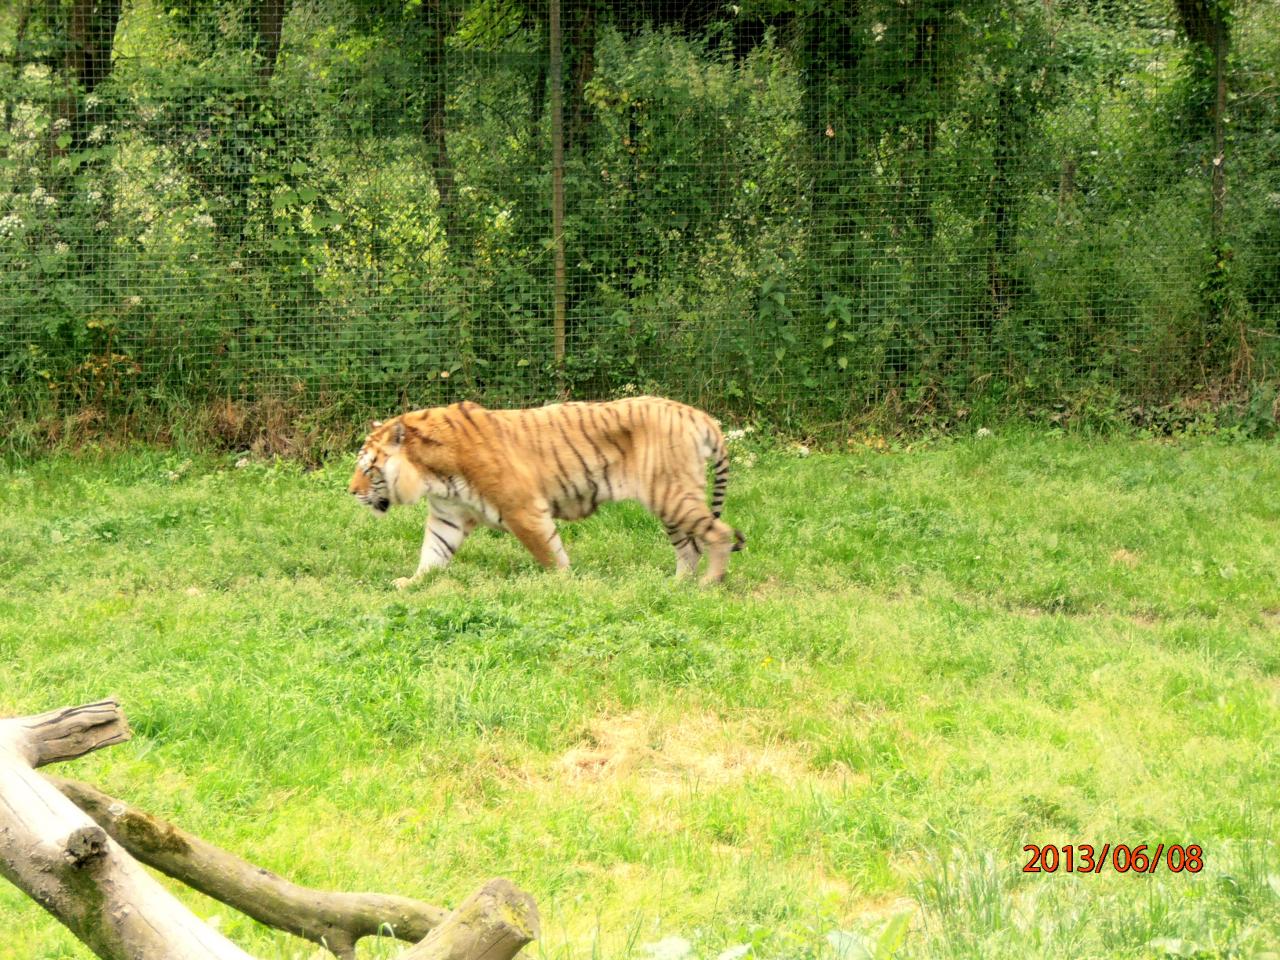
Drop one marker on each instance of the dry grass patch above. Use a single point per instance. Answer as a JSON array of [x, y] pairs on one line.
[[1124, 558], [700, 747]]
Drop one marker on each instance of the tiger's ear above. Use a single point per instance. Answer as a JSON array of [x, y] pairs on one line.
[[375, 424]]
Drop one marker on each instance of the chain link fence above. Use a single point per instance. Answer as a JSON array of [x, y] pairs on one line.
[[805, 210]]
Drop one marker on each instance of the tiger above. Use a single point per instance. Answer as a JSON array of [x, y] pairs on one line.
[[521, 470]]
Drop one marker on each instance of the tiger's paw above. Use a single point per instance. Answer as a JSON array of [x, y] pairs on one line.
[[403, 583]]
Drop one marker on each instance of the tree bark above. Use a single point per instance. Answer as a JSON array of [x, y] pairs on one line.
[[333, 920], [271, 15], [91, 35], [1206, 25], [1219, 132], [582, 40], [492, 924], [1003, 208], [68, 733], [433, 122], [19, 41], [1202, 21]]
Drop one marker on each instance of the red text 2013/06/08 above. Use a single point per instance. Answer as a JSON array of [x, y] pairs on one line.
[[1120, 857]]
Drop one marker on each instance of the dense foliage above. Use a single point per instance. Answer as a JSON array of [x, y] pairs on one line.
[[802, 208]]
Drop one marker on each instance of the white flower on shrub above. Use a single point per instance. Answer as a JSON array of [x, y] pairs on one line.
[[133, 301], [98, 133], [61, 247], [235, 265], [101, 225], [61, 124], [10, 225], [94, 195], [203, 220], [91, 101]]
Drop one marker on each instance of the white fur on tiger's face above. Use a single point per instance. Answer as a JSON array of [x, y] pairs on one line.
[[374, 481], [521, 470]]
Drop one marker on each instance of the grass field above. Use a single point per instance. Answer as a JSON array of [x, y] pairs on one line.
[[924, 661]]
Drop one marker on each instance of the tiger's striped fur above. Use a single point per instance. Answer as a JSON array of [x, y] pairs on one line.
[[521, 470]]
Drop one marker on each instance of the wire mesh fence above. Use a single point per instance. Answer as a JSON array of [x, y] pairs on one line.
[[802, 209]]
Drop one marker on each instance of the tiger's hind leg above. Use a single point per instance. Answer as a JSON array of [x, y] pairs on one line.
[[690, 517], [688, 553], [718, 540], [537, 531]]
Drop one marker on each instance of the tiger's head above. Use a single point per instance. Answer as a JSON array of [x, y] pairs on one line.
[[404, 460], [378, 467]]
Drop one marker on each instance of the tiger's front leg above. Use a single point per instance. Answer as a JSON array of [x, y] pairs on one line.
[[447, 526]]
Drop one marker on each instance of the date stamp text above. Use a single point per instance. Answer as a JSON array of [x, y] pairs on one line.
[[1120, 857]]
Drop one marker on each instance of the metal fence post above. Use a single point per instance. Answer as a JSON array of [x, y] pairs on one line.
[[557, 191]]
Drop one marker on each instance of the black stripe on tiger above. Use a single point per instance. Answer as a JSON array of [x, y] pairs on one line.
[[721, 482]]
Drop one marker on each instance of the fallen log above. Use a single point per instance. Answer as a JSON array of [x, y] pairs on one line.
[[491, 924], [333, 920], [72, 848], [52, 851]]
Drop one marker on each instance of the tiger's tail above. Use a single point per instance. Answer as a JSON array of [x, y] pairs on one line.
[[719, 486], [722, 477]]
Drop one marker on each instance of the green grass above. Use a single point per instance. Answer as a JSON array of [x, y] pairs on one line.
[[923, 662]]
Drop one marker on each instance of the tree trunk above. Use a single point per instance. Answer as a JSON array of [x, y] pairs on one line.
[[1003, 204], [91, 34], [1207, 28], [831, 73], [1219, 131], [926, 61], [1203, 21], [19, 41], [433, 121], [271, 16], [582, 42]]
